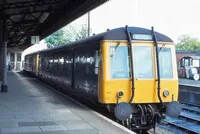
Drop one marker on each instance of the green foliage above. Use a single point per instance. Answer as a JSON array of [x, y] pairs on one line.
[[187, 43], [81, 32], [55, 39], [67, 34]]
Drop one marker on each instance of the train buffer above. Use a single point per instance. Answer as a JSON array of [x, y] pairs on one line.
[[31, 107]]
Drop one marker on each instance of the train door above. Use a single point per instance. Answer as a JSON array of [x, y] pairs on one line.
[[37, 64], [143, 55]]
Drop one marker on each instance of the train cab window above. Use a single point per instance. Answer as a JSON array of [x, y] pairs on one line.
[[165, 61], [143, 63], [119, 62]]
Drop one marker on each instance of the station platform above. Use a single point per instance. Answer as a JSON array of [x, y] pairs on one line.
[[189, 82], [29, 107], [189, 91]]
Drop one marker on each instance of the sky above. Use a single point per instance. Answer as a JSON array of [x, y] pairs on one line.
[[170, 17]]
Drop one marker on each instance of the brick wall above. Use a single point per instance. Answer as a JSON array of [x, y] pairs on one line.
[[180, 55]]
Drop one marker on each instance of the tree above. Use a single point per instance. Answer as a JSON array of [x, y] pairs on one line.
[[55, 39], [67, 34], [82, 32], [187, 43]]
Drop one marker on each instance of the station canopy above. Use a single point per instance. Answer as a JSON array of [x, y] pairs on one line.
[[26, 18]]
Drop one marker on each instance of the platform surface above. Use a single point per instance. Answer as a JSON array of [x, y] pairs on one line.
[[189, 82], [29, 107]]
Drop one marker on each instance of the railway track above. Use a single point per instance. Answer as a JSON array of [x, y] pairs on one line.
[[187, 122]]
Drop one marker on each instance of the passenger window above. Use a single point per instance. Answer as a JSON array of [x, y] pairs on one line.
[[143, 66], [51, 61], [61, 60], [55, 60], [119, 62]]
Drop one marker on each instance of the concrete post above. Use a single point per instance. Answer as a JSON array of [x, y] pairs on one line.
[[1, 62], [1, 45], [4, 87]]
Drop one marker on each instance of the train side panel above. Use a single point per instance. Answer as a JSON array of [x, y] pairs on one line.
[[85, 73], [56, 68], [72, 70]]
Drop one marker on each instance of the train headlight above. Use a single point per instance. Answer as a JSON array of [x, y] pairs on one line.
[[166, 93], [120, 93]]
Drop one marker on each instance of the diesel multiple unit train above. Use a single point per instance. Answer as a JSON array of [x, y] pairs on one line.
[[132, 71]]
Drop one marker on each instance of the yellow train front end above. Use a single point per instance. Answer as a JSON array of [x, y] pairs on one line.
[[150, 97], [116, 76]]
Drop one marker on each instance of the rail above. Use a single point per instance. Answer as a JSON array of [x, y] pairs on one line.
[[188, 121]]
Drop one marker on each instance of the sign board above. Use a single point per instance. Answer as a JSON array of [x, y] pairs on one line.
[[35, 39]]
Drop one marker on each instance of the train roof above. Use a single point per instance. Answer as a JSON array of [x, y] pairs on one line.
[[115, 34]]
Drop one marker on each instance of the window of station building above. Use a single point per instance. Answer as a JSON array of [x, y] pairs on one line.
[[165, 61], [143, 63], [12, 56], [119, 62], [19, 56]]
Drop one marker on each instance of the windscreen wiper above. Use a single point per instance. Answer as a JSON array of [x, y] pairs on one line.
[[161, 48], [117, 45]]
